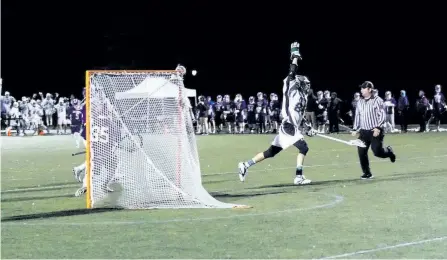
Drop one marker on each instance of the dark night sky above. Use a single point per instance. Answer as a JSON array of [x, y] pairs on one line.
[[236, 48]]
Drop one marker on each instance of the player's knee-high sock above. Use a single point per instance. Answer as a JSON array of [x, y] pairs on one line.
[[299, 164], [84, 181], [77, 137], [250, 163], [299, 170]]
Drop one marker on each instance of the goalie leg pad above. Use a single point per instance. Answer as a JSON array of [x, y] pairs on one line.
[[302, 146], [272, 151]]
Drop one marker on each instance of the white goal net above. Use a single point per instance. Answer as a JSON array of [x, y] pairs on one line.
[[142, 149]]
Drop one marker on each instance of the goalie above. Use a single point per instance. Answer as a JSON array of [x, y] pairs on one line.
[[295, 92]]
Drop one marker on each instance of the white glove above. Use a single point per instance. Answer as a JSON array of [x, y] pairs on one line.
[[310, 131], [320, 106], [295, 51]]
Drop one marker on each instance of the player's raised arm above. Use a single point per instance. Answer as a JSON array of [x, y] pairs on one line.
[[294, 56]]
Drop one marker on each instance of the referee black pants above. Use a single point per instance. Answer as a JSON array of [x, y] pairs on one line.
[[376, 144]]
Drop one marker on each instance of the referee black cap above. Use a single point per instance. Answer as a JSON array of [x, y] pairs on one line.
[[367, 84]]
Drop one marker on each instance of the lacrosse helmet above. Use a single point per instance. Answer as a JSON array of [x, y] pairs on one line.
[[238, 98], [388, 95], [251, 100]]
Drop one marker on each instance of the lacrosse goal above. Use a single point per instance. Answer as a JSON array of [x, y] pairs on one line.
[[141, 146]]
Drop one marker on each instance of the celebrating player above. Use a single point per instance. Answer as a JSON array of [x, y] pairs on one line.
[[295, 92]]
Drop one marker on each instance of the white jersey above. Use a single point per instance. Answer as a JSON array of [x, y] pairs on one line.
[[48, 105], [61, 110], [15, 113], [294, 102]]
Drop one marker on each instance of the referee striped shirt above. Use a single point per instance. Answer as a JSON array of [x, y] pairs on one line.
[[369, 114]]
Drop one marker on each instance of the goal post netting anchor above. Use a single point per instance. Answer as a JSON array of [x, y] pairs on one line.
[[141, 146]]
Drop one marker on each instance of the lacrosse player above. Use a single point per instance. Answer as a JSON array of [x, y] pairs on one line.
[[403, 105], [439, 107], [369, 121], [61, 116], [389, 103], [295, 92]]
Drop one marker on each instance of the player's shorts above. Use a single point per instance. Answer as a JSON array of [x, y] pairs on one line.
[[260, 118], [218, 118], [287, 135], [275, 117], [75, 129], [239, 118], [14, 122], [251, 118], [37, 120], [61, 121], [321, 119], [49, 112], [229, 118]]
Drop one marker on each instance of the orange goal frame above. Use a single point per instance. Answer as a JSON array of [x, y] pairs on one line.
[[88, 74]]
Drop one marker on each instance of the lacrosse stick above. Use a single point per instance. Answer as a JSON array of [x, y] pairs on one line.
[[78, 153], [355, 142]]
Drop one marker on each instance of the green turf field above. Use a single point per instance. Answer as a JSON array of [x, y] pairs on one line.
[[402, 213]]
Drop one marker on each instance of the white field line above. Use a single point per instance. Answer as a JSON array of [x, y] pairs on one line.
[[406, 244], [336, 200], [234, 172]]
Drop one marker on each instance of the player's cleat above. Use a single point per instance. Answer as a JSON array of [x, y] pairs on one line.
[[392, 155], [80, 191], [242, 171], [301, 180], [367, 176], [77, 174]]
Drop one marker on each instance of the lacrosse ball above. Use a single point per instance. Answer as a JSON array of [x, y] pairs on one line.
[[194, 72]]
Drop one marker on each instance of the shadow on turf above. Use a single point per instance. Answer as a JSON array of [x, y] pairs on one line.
[[244, 195], [400, 176], [55, 214], [38, 189], [36, 198], [212, 182]]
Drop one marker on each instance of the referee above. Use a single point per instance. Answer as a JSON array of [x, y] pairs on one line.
[[368, 123]]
